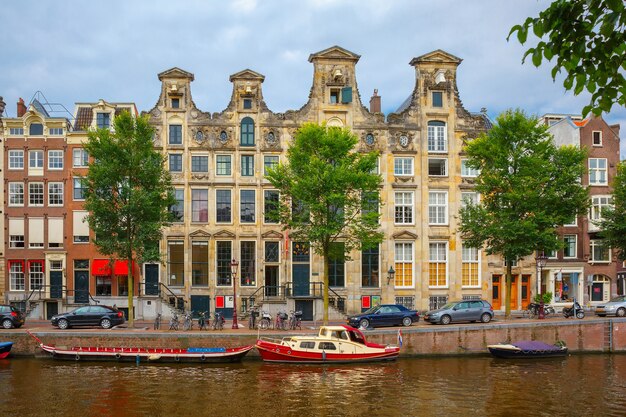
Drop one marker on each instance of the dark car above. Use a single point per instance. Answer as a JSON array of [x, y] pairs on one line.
[[11, 317], [103, 316], [384, 315], [466, 310]]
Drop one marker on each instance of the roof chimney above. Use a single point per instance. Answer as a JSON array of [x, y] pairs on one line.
[[2, 106], [21, 108], [375, 102]]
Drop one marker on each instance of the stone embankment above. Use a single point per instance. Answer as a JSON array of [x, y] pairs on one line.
[[589, 335]]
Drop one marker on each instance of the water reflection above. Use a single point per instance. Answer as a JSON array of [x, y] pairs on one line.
[[482, 386]]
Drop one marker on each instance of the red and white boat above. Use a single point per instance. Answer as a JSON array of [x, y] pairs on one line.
[[136, 354], [333, 344]]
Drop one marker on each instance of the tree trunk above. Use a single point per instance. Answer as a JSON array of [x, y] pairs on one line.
[[507, 298], [131, 318], [325, 287]]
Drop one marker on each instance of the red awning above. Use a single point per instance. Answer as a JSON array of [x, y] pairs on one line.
[[121, 267], [102, 267]]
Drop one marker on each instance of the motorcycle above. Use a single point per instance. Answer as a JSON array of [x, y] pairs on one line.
[[575, 310]]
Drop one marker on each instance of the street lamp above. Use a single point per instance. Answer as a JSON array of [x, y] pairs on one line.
[[541, 260], [233, 273], [390, 274]]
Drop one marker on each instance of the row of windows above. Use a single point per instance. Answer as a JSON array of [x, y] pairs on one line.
[[36, 129], [36, 196], [53, 226], [223, 164], [80, 159]]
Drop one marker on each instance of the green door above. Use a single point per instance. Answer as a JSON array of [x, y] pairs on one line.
[[56, 284], [81, 287], [301, 280], [152, 279]]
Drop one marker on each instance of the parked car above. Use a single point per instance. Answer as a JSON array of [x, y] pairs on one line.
[[11, 317], [384, 315], [466, 310], [615, 307], [103, 316]]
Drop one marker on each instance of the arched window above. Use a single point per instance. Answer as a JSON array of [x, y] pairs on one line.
[[437, 137], [247, 131], [36, 129]]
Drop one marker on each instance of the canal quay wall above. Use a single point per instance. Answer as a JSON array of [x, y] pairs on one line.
[[580, 336]]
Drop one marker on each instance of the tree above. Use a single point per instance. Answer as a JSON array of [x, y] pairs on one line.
[[328, 194], [528, 188], [128, 193], [613, 224], [588, 39]]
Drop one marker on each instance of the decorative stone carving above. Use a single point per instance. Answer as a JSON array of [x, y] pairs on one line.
[[156, 136]]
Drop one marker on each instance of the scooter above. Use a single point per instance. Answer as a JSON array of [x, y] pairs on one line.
[[575, 310]]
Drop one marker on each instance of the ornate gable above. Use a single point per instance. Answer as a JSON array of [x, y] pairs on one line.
[[224, 234], [175, 73], [335, 52], [247, 74], [404, 235], [272, 234], [439, 56], [199, 234]]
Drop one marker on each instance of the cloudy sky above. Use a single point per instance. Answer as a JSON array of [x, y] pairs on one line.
[[81, 51]]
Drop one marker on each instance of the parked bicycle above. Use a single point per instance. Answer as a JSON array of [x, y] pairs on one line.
[[266, 321], [188, 322], [174, 322], [254, 313], [281, 320], [157, 321], [218, 321], [295, 320], [202, 321], [533, 310]]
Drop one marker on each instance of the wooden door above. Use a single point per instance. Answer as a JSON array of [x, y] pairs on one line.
[[525, 291], [152, 279], [496, 298], [514, 292]]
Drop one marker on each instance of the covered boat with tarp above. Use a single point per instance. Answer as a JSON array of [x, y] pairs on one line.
[[527, 349]]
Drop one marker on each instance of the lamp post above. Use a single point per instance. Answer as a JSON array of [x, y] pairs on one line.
[[541, 259], [233, 273], [390, 274]]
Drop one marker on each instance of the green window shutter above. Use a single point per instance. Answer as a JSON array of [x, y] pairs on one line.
[[346, 95]]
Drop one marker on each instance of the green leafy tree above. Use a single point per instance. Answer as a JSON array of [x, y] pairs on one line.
[[613, 225], [588, 40], [528, 188], [128, 193], [328, 194]]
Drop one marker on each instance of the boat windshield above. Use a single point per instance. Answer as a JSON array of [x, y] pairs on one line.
[[357, 337]]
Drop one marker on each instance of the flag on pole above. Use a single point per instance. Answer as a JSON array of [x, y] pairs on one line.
[[399, 337]]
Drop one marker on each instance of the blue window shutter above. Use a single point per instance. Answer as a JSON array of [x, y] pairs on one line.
[[346, 95]]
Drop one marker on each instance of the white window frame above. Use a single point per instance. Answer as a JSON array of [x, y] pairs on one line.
[[59, 193], [401, 201], [472, 196], [41, 197], [468, 172], [35, 159], [445, 174], [593, 243], [81, 156], [55, 131], [599, 174], [593, 139], [16, 131], [16, 189], [439, 261], [230, 159], [405, 256], [437, 135], [599, 203], [16, 159], [575, 243], [55, 155], [436, 206], [465, 251], [403, 166]]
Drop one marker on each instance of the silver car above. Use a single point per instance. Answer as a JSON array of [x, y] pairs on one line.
[[466, 310], [615, 307]]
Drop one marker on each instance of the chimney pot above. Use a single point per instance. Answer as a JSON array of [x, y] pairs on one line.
[[375, 102], [21, 108]]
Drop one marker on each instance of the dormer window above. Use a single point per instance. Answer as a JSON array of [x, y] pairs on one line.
[[247, 103], [334, 95], [175, 103], [103, 120], [36, 129], [437, 98]]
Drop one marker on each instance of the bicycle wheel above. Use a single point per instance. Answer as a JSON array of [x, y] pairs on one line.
[[526, 314]]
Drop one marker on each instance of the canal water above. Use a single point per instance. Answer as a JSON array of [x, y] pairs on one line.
[[580, 385]]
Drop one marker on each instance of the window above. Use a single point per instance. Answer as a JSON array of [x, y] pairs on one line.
[[570, 246], [16, 274], [16, 194], [55, 159], [369, 203], [80, 226], [598, 204], [270, 206], [437, 167], [438, 207], [471, 267], [36, 129], [35, 232], [175, 263], [35, 194], [175, 103], [438, 264], [199, 163], [246, 206], [55, 193], [55, 131], [467, 171], [370, 267], [224, 255], [178, 209], [269, 162], [437, 99], [247, 131], [16, 241], [16, 159], [103, 285], [437, 137], [103, 120], [200, 263], [55, 232], [597, 138], [272, 252], [223, 207], [80, 158], [16, 131], [247, 266], [35, 159], [16, 233], [175, 135], [35, 274], [199, 205], [79, 188], [247, 165], [469, 197], [334, 95], [403, 166], [176, 162], [404, 207], [336, 265], [408, 302], [597, 171], [599, 251], [403, 264], [223, 165], [247, 103]]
